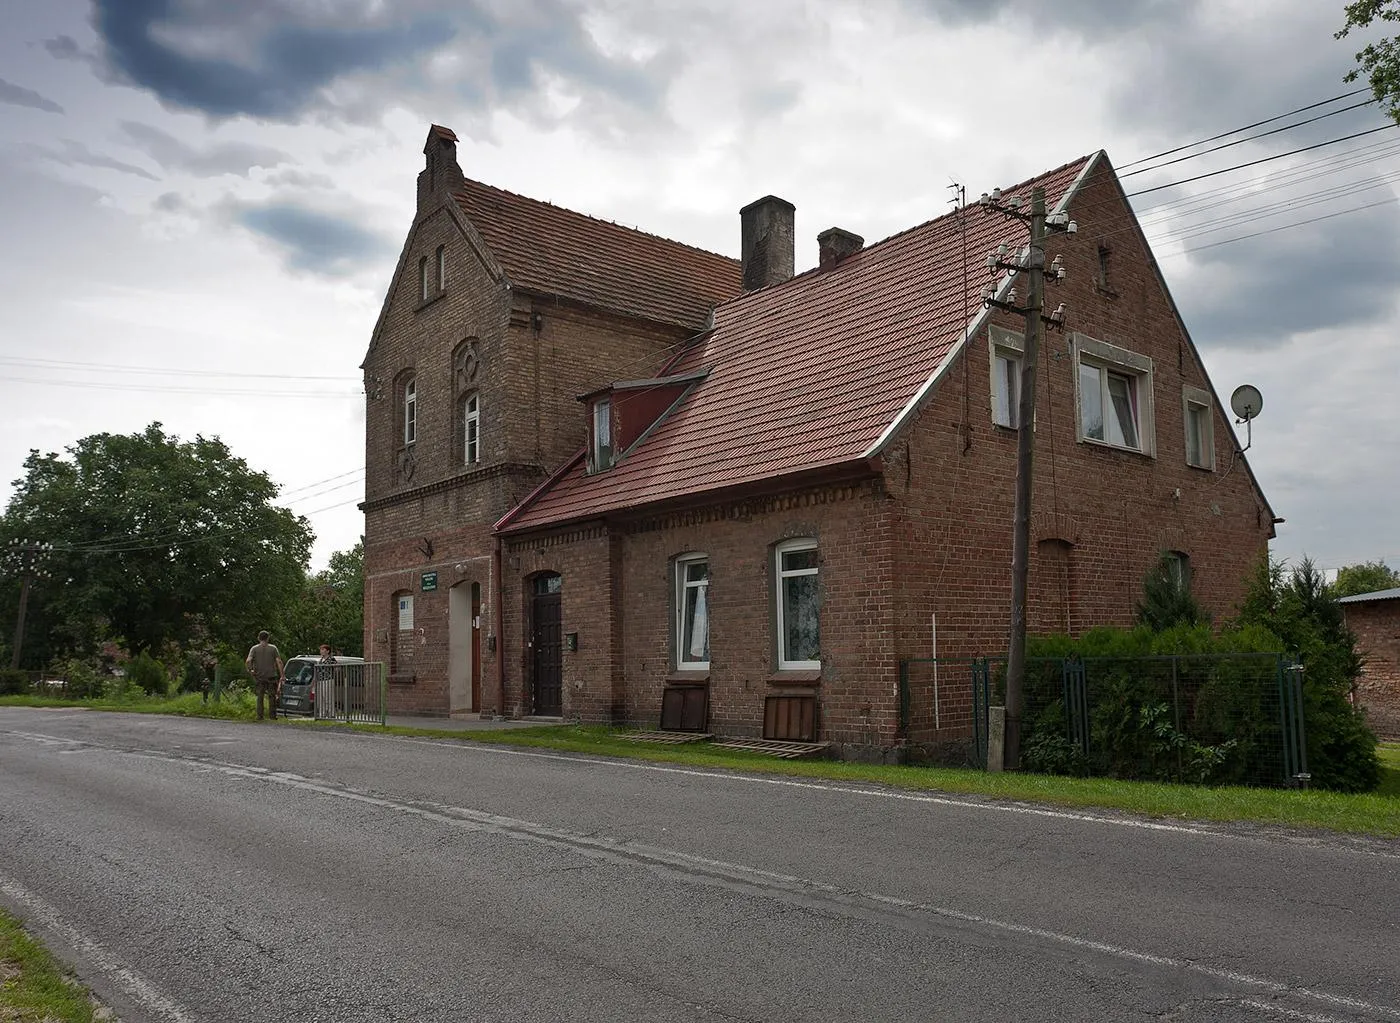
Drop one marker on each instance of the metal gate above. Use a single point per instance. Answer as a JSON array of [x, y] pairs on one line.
[[352, 692]]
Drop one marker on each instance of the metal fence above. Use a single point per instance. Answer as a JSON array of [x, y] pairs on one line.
[[1220, 719], [352, 692]]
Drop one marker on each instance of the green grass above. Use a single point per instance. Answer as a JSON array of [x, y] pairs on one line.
[[1375, 813], [33, 989], [241, 707]]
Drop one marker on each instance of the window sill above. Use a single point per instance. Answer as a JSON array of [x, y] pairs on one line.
[[1092, 442], [688, 677], [1200, 468], [795, 677], [403, 680], [423, 304]]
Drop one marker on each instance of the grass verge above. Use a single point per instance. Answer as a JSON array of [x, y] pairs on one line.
[[33, 988], [1374, 813], [239, 708]]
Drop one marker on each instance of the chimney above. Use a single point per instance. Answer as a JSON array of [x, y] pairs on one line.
[[767, 242], [441, 171], [834, 245]]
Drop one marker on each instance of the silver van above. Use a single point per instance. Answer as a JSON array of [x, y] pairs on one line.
[[300, 674]]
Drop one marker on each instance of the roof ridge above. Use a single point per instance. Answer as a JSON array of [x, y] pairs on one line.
[[600, 220]]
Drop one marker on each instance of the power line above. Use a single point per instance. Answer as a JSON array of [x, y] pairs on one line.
[[1247, 127], [108, 367], [1300, 223], [1251, 138]]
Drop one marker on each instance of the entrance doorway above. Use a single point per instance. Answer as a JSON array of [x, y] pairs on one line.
[[464, 648], [546, 642]]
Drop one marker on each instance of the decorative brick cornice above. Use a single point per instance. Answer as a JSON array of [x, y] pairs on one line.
[[743, 509], [538, 542], [462, 479]]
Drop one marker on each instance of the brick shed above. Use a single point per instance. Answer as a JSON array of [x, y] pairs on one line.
[[607, 471], [1375, 619]]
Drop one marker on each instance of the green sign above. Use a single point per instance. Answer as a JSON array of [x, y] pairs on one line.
[[429, 581]]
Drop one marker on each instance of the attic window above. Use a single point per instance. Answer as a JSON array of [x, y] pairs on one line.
[[423, 292], [600, 447], [442, 268]]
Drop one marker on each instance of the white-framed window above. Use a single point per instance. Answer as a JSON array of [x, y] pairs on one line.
[[693, 612], [410, 410], [1006, 353], [423, 292], [601, 445], [1200, 427], [442, 267], [798, 592], [1113, 393], [1178, 566], [471, 428]]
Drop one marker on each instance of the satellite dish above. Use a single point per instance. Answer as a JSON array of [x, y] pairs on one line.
[[1247, 402]]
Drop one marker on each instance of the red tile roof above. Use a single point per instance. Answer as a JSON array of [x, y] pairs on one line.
[[549, 249], [807, 374]]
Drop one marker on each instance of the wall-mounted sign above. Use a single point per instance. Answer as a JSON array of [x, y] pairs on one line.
[[429, 582], [406, 612]]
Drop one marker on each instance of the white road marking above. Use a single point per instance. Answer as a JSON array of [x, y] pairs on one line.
[[141, 990]]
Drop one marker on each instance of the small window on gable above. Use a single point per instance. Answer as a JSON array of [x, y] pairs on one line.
[[692, 613], [442, 268], [410, 411], [471, 429], [1113, 391], [1006, 350], [1200, 427], [600, 447], [423, 292]]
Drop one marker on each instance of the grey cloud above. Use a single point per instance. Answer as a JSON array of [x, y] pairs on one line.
[[1082, 17], [313, 241], [292, 178], [221, 158], [1239, 294], [18, 95], [72, 153], [170, 202], [278, 59]]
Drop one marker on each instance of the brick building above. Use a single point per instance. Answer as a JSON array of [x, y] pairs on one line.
[[606, 471], [1375, 620]]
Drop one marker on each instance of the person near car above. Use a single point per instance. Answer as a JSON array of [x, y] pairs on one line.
[[265, 662], [326, 656]]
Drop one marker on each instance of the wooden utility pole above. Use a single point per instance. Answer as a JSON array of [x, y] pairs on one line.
[[1033, 265], [27, 560], [19, 623]]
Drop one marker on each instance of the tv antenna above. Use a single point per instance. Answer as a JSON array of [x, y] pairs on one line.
[[1247, 403]]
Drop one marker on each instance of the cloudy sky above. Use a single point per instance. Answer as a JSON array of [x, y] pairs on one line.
[[220, 189]]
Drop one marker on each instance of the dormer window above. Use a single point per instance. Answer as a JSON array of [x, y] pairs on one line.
[[600, 448]]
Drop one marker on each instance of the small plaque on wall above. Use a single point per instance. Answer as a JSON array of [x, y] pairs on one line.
[[429, 582]]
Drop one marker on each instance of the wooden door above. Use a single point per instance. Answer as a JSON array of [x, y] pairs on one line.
[[546, 644]]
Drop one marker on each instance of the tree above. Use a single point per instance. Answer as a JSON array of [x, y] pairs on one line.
[[1379, 60], [1367, 577], [1166, 597], [155, 541], [330, 608]]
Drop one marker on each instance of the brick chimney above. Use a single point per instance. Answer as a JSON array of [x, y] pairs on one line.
[[834, 245], [767, 242], [441, 171]]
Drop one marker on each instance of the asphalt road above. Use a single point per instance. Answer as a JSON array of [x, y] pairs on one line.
[[209, 871]]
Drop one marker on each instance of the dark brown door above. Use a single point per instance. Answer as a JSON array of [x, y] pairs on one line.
[[476, 646], [546, 643]]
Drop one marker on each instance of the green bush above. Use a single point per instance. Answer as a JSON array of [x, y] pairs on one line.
[[83, 681], [148, 673], [13, 682]]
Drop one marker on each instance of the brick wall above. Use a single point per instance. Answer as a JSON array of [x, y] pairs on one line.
[[1377, 628], [527, 358]]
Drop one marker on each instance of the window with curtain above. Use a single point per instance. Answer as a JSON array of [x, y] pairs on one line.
[[693, 612], [798, 605]]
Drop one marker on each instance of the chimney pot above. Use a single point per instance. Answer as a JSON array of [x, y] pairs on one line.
[[835, 244], [767, 242], [441, 171]]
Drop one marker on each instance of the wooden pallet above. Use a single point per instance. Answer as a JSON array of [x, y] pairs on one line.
[[668, 738], [776, 747]]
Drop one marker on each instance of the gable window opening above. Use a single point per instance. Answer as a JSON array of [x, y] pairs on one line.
[[441, 268], [798, 605], [1178, 569], [410, 411], [1006, 377], [423, 293], [602, 446], [1109, 406], [693, 613], [1200, 434], [471, 429]]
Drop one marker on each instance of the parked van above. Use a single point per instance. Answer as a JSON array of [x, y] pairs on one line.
[[299, 677]]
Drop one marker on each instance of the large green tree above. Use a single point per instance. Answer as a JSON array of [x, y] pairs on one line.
[[1379, 60], [330, 608], [1367, 577], [156, 541]]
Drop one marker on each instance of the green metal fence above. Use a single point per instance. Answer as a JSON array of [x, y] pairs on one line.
[[1210, 718]]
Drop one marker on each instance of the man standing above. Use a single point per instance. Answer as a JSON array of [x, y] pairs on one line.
[[266, 665]]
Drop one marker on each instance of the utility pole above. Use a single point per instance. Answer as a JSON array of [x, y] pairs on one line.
[[27, 560], [1033, 265]]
